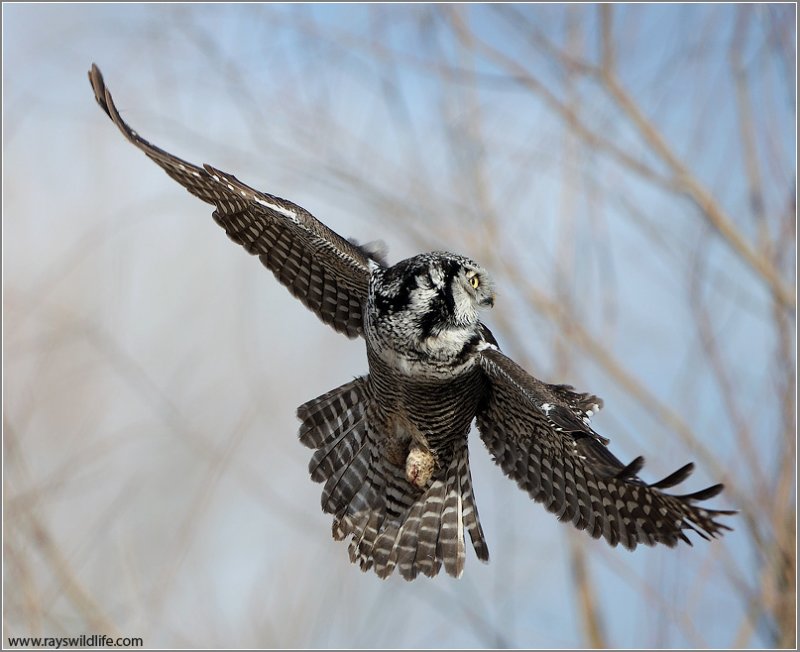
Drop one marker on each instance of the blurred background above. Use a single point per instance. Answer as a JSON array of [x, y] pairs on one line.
[[626, 173]]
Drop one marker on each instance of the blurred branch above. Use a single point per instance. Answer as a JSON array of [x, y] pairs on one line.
[[132, 372], [681, 179], [747, 125], [652, 594], [587, 600], [607, 62], [566, 278], [776, 557], [702, 198], [685, 180], [472, 604], [718, 364], [189, 521], [30, 524], [523, 77], [478, 181]]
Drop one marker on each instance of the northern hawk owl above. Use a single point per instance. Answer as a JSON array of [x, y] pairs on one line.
[[391, 446]]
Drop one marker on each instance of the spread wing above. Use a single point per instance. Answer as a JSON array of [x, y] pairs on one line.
[[540, 436], [329, 274]]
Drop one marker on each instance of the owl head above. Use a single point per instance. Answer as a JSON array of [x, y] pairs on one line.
[[435, 293], [431, 294], [456, 288]]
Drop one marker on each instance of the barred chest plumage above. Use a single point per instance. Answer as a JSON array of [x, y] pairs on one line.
[[432, 413]]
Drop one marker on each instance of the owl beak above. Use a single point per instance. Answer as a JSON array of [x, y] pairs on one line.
[[488, 301]]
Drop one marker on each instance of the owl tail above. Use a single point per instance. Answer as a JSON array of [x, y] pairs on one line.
[[430, 532], [391, 523]]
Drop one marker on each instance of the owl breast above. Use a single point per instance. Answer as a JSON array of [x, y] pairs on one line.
[[430, 413]]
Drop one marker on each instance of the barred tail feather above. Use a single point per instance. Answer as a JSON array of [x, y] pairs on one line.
[[327, 417], [337, 454], [426, 559], [450, 547], [472, 521], [392, 498], [347, 482], [429, 531], [403, 546], [362, 543]]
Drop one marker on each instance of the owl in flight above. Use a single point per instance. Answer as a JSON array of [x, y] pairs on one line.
[[390, 447]]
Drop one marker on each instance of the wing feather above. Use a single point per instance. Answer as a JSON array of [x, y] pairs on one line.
[[541, 437], [329, 274]]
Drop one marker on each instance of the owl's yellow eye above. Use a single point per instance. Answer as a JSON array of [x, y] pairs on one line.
[[475, 281]]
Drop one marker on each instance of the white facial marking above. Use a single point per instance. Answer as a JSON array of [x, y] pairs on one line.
[[436, 277], [464, 304]]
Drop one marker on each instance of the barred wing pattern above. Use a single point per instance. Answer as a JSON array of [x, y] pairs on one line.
[[540, 436], [329, 274]]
